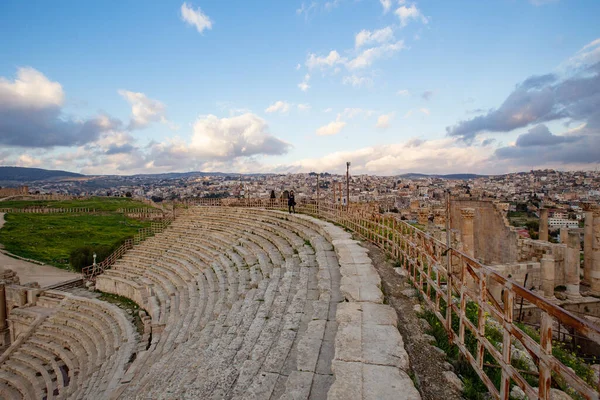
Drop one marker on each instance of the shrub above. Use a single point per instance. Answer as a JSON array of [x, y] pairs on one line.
[[84, 256]]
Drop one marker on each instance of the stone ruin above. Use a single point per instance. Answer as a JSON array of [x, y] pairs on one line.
[[7, 192], [239, 304], [484, 233]]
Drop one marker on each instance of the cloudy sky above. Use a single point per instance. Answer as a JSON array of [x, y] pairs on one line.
[[394, 86]]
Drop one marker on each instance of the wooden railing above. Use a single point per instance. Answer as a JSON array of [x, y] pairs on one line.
[[90, 272], [451, 283], [48, 210]]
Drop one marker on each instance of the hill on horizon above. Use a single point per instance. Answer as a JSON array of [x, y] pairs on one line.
[[24, 174]]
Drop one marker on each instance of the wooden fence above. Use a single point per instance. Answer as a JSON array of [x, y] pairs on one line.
[[90, 272], [47, 210]]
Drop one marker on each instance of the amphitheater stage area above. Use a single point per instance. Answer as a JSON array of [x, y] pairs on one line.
[[239, 303]]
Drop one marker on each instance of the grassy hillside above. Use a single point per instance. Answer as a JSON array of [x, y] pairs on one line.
[[51, 238], [98, 203]]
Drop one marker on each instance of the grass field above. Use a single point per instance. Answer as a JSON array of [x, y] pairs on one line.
[[520, 218], [98, 203], [50, 238]]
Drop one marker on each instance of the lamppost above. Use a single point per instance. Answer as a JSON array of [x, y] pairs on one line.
[[348, 184], [318, 192]]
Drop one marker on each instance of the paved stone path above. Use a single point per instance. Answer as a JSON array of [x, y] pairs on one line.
[[28, 272]]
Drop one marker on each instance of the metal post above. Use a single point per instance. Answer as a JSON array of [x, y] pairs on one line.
[[334, 198], [348, 185], [318, 194]]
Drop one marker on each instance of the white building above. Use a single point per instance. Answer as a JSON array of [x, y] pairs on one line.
[[562, 223]]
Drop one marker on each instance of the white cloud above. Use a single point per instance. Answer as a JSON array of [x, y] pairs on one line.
[[383, 122], [357, 81], [368, 56], [304, 107], [31, 114], [25, 160], [382, 44], [425, 111], [589, 54], [406, 14], [328, 110], [243, 135], [144, 110], [332, 128], [304, 86], [279, 106], [386, 4], [298, 66], [330, 60], [195, 17], [306, 10], [427, 156], [331, 4], [30, 89], [403, 92], [365, 37]]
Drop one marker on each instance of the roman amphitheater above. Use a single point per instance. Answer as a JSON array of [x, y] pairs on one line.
[[241, 301]]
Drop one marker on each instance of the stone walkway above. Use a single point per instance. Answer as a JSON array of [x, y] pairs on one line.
[[28, 272]]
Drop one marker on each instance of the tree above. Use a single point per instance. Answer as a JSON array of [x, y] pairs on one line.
[[128, 194], [273, 194]]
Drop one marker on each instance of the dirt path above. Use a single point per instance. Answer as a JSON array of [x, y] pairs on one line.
[[432, 372], [28, 272]]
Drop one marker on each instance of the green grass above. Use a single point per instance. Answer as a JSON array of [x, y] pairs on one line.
[[50, 238], [127, 304], [97, 203]]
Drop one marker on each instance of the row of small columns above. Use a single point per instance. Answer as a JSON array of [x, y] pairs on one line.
[[591, 252]]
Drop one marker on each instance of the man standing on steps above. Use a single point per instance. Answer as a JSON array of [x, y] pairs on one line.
[[292, 202]]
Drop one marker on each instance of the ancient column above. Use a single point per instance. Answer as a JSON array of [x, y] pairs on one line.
[[564, 235], [548, 272], [467, 231], [4, 331], [423, 215], [595, 273], [587, 244], [572, 264], [543, 224], [2, 308]]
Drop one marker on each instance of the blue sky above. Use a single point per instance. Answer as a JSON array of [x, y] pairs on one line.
[[288, 86]]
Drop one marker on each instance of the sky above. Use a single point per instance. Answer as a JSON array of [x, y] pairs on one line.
[[392, 86]]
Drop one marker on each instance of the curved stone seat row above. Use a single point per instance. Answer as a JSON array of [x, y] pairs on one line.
[[243, 305], [76, 348], [240, 308]]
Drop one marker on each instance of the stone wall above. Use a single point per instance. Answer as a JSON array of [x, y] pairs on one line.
[[498, 243], [495, 241], [5, 192], [533, 250], [517, 272]]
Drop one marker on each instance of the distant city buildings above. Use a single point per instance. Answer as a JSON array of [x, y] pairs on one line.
[[562, 192]]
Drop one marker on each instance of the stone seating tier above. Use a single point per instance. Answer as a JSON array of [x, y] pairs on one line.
[[247, 305], [75, 344], [243, 304]]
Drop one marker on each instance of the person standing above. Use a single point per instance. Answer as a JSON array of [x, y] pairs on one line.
[[291, 202]]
